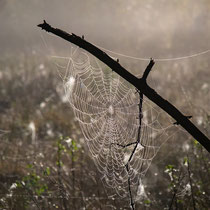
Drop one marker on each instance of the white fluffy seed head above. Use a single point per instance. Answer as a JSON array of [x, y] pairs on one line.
[[70, 83], [69, 86]]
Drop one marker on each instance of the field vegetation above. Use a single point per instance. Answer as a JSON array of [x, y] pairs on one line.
[[45, 163]]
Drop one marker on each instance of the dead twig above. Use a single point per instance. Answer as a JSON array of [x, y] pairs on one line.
[[140, 84]]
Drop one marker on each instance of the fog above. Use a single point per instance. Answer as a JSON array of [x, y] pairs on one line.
[[34, 114], [145, 28]]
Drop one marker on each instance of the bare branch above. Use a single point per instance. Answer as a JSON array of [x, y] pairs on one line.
[[140, 84]]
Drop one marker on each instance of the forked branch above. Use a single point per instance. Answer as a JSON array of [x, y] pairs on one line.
[[140, 84]]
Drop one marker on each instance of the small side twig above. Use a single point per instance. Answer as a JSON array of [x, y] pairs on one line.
[[148, 69], [126, 145], [134, 149], [30, 193], [190, 180], [188, 117], [61, 187], [175, 190]]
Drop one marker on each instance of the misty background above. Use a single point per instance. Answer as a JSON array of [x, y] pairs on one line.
[[145, 28], [33, 115]]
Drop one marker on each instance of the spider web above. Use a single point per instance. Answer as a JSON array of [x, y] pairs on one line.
[[107, 109]]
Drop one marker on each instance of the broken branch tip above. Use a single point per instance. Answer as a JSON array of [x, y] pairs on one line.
[[45, 26]]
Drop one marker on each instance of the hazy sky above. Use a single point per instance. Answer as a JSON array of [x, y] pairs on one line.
[[142, 28]]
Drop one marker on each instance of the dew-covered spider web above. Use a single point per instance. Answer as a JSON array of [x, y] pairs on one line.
[[107, 109]]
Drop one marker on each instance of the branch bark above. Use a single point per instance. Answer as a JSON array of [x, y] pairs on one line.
[[140, 84]]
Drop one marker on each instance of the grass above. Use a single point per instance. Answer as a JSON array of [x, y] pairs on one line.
[[54, 170]]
